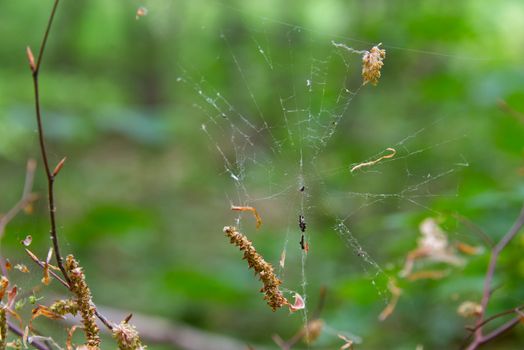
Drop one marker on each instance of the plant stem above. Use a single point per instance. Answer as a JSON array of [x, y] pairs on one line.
[[480, 338], [36, 344], [41, 139]]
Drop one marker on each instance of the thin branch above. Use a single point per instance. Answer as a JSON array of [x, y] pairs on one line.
[[504, 328], [40, 263], [503, 105], [475, 228], [50, 176], [35, 343], [35, 68], [480, 338], [489, 337], [157, 330], [498, 315], [26, 198]]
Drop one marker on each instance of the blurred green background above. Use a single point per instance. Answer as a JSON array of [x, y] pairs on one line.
[[145, 191]]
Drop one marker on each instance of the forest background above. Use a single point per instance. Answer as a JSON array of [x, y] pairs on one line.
[[145, 193]]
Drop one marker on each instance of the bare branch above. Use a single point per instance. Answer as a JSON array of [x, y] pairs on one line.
[[40, 263], [27, 197], [35, 343], [479, 337], [41, 139]]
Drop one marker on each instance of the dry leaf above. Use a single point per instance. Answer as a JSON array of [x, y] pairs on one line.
[[299, 303], [27, 241], [251, 209], [22, 268], [4, 283]]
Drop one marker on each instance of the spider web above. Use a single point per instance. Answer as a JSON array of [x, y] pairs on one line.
[[302, 117]]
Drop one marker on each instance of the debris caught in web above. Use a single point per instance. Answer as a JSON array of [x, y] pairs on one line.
[[302, 223], [372, 63], [373, 162], [251, 209]]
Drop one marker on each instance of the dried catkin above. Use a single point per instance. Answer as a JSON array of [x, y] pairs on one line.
[[3, 329], [263, 269], [83, 300], [64, 307], [371, 64]]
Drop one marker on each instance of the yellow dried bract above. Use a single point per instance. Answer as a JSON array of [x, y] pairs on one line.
[[83, 299], [371, 64], [263, 269]]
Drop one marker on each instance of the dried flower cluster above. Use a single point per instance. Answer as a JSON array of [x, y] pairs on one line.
[[64, 307], [372, 63], [271, 282], [433, 246], [83, 300], [127, 337], [469, 309]]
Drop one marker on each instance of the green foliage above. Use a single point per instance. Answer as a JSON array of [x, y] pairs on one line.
[[143, 196]]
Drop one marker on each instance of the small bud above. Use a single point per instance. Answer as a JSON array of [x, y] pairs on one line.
[[59, 166], [27, 241], [8, 265], [141, 12], [31, 59]]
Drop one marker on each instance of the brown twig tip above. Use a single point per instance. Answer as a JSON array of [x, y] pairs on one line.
[[274, 297], [59, 166], [372, 63], [31, 59], [127, 337], [86, 307]]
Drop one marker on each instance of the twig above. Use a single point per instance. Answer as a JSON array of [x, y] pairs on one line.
[[35, 343], [101, 317], [50, 175], [27, 197], [503, 105], [35, 68], [504, 328], [479, 337], [157, 330], [494, 317], [476, 229]]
